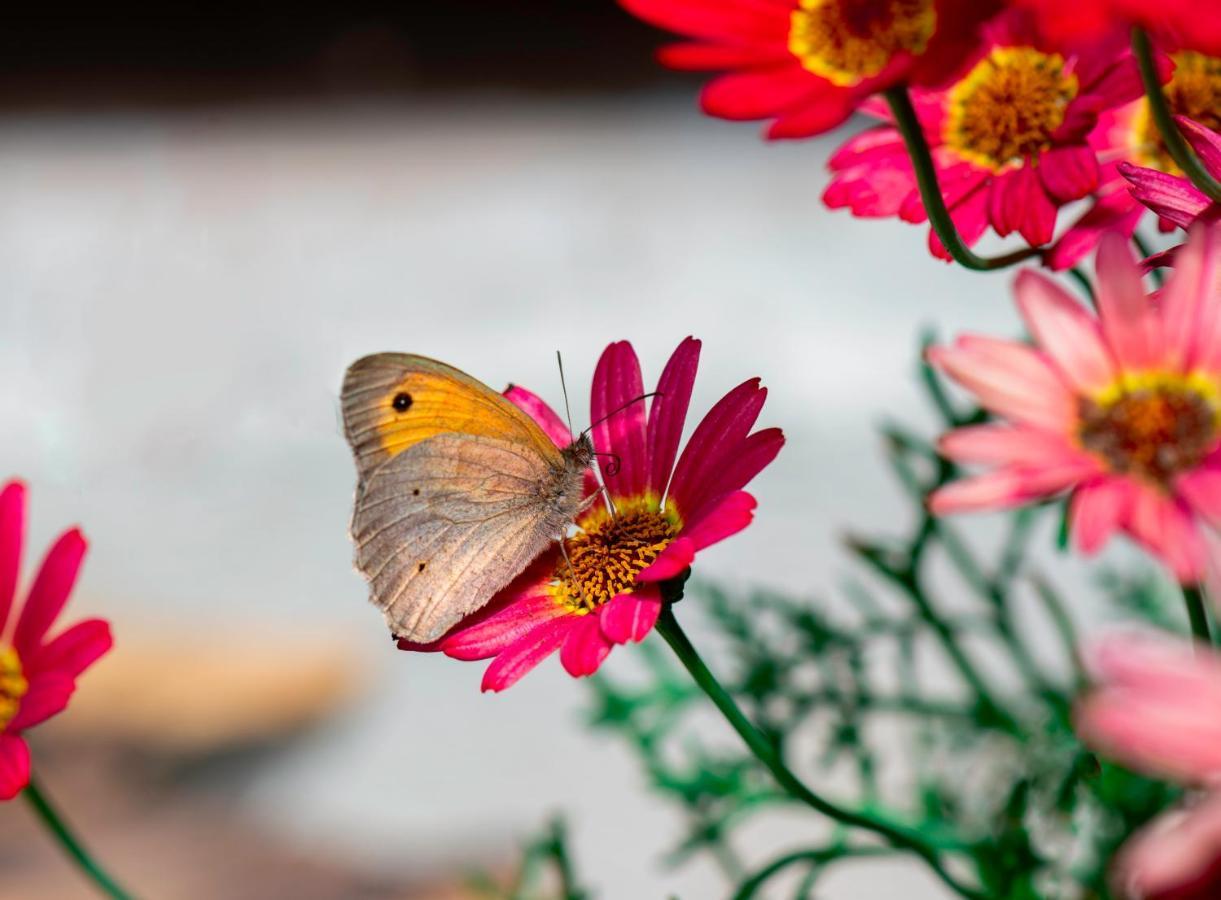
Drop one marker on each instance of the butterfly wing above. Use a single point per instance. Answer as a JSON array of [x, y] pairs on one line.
[[393, 401], [442, 526]]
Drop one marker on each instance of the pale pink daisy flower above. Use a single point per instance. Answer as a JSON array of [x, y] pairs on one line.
[[1121, 408]]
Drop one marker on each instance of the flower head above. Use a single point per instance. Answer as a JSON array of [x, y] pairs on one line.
[[1122, 409], [807, 64], [37, 674], [1181, 23], [1155, 708], [603, 587], [1010, 139]]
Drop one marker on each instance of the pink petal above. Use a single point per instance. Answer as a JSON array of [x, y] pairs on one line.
[[1005, 445], [585, 646], [14, 766], [670, 562], [1097, 510], [527, 652], [1018, 202], [1066, 332], [50, 592], [822, 109], [1117, 211], [721, 431], [1191, 301], [1129, 321], [1166, 527], [668, 413], [759, 93], [1201, 488], [543, 415], [970, 217], [1204, 141], [1173, 198], [737, 467], [74, 650], [1005, 488], [630, 617], [12, 534], [48, 695], [1010, 379], [1177, 857], [1069, 173], [492, 635], [881, 145], [719, 520], [618, 409]]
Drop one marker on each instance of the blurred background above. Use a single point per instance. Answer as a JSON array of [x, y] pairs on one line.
[[205, 215]]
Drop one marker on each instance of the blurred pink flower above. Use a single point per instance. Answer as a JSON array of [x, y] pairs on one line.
[[663, 514], [1120, 409], [37, 674], [1155, 708], [1009, 139]]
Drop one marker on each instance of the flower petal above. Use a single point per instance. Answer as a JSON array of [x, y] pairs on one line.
[[1018, 202], [724, 518], [738, 466], [492, 635], [670, 562], [12, 534], [1005, 488], [668, 413], [14, 766], [1167, 529], [1129, 320], [1177, 857], [721, 431], [74, 650], [1204, 141], [526, 652], [1117, 211], [1191, 301], [1171, 197], [630, 617], [618, 410], [1097, 510], [48, 695], [585, 646], [1066, 332], [49, 592], [543, 415], [1069, 173], [761, 93], [697, 57], [1003, 445]]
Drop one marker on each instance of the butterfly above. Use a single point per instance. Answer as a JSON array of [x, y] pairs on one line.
[[458, 490]]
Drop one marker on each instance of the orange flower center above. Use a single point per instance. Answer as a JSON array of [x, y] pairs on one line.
[[847, 41], [610, 551], [13, 685], [1194, 92], [1006, 109], [1152, 430]]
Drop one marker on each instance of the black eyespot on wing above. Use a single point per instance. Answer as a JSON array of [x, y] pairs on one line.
[[402, 401], [421, 567]]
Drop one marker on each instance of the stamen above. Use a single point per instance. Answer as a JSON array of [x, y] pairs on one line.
[[847, 41], [13, 685]]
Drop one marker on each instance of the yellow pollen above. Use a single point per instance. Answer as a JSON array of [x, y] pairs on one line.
[[13, 685], [1195, 92], [1152, 426], [847, 41], [1006, 109], [609, 552]]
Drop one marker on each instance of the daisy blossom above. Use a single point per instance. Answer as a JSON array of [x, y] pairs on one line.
[[1009, 139], [659, 514], [37, 674], [1155, 708], [807, 64], [1122, 409]]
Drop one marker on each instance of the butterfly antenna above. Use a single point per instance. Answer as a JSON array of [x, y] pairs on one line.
[[559, 361], [616, 412]]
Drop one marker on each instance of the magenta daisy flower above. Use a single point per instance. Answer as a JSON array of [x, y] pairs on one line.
[[1009, 139], [1122, 409], [656, 516], [37, 674]]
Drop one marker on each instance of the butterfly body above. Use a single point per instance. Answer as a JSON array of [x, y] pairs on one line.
[[458, 490]]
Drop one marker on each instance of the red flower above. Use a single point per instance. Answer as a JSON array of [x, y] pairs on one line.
[[37, 674], [659, 515], [1191, 24], [807, 64], [1009, 139]]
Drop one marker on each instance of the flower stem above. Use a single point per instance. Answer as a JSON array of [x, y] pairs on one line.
[[897, 835], [1178, 148], [930, 191], [1193, 598], [55, 824]]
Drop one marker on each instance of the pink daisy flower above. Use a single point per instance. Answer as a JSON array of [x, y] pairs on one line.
[[1155, 708], [808, 64], [37, 674], [659, 514], [1009, 139], [1121, 409]]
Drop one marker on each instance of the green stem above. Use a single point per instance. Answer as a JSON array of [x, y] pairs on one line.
[[749, 888], [1193, 598], [1178, 148], [930, 191], [55, 824], [897, 835]]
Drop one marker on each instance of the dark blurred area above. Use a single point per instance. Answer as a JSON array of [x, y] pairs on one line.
[[76, 58]]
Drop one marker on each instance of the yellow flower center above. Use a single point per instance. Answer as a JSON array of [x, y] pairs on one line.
[[1152, 426], [1008, 106], [13, 685], [610, 551], [1194, 92], [847, 41]]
